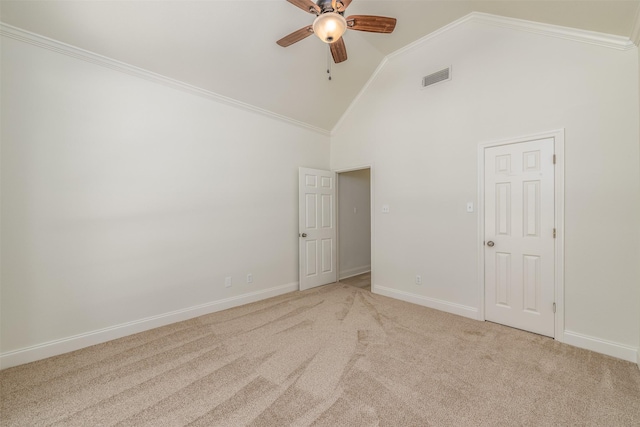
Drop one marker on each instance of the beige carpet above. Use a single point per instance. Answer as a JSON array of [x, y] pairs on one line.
[[362, 281], [331, 356]]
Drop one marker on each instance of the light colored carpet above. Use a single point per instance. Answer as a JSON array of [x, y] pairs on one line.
[[332, 356], [362, 281]]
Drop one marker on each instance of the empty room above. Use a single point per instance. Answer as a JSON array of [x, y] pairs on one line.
[[331, 213]]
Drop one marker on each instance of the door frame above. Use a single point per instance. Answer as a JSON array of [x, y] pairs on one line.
[[558, 137], [371, 212]]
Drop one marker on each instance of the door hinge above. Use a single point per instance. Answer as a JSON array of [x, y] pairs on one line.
[[554, 307], [554, 233], [554, 159]]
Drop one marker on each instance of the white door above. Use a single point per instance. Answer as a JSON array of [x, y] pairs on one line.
[[519, 235], [317, 227]]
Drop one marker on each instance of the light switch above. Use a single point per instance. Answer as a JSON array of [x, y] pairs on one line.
[[469, 206]]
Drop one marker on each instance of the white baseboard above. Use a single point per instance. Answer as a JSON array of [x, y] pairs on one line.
[[354, 271], [599, 345], [76, 342], [449, 307]]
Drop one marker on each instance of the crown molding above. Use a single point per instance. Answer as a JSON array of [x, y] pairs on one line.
[[582, 36], [362, 91], [635, 30], [34, 39]]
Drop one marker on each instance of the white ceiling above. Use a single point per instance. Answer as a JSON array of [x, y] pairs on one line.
[[228, 47]]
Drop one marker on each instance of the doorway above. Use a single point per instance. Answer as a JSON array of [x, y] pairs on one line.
[[335, 236], [354, 227]]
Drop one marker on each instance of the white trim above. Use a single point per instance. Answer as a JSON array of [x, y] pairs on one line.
[[446, 306], [559, 217], [549, 30], [598, 345], [635, 37], [76, 342], [437, 33], [574, 34], [354, 272], [558, 137], [480, 235], [94, 58], [566, 33], [583, 36], [359, 95], [354, 168]]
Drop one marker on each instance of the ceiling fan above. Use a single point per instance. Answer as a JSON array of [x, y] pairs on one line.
[[330, 24]]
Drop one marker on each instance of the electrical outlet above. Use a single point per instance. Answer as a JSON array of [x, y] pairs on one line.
[[227, 281], [249, 278], [418, 279], [385, 208]]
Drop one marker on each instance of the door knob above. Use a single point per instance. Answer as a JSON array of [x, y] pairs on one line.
[[490, 243], [303, 235]]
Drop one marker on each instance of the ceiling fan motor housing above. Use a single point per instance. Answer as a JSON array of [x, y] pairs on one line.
[[326, 6]]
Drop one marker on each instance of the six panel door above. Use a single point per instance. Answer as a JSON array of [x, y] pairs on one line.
[[317, 229], [519, 235]]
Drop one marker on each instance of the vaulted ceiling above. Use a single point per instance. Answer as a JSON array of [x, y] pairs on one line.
[[228, 47]]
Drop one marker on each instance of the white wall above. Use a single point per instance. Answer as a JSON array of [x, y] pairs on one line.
[[506, 83], [354, 222], [123, 200]]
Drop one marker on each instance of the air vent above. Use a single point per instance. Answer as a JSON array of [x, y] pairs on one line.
[[437, 77]]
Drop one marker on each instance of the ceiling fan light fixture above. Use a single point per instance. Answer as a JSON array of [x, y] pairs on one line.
[[329, 27]]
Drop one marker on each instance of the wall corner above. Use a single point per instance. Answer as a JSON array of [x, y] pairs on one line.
[[635, 29]]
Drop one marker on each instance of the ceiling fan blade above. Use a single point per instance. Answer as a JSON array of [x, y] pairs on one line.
[[343, 5], [307, 6], [372, 24], [338, 51], [296, 36]]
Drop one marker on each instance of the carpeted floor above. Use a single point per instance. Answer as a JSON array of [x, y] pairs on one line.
[[362, 281], [332, 356]]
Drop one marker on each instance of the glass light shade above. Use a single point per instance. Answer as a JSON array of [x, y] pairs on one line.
[[329, 27]]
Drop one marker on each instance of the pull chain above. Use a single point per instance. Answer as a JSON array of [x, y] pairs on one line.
[[329, 61]]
